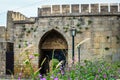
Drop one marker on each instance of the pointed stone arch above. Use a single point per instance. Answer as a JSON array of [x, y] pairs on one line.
[[52, 41]]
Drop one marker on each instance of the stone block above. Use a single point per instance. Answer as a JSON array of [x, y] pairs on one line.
[[84, 8], [107, 28], [113, 8], [104, 8], [115, 28], [114, 39], [114, 50], [55, 9], [97, 33], [2, 65], [96, 39], [46, 10], [107, 33], [87, 34], [108, 58], [75, 8], [104, 45], [116, 57], [114, 45], [103, 39], [96, 45], [65, 9], [2, 56], [94, 8], [96, 51]]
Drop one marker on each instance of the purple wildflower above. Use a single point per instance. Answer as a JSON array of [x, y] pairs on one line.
[[69, 78], [61, 67], [99, 70], [19, 78], [56, 78], [43, 79], [31, 56], [105, 76], [62, 72], [40, 76], [96, 76]]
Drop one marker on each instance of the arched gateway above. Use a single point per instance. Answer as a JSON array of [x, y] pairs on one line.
[[51, 43]]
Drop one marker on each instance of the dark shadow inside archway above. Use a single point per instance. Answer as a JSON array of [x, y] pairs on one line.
[[52, 45]]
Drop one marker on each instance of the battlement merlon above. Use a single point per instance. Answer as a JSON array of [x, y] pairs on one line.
[[17, 17], [103, 8]]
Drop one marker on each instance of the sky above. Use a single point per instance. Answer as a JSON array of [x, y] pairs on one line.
[[29, 7]]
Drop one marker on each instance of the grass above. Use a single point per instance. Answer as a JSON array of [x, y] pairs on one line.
[[97, 70]]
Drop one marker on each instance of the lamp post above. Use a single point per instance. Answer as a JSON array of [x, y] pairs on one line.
[[73, 34]]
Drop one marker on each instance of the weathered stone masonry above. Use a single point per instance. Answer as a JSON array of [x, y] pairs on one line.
[[100, 22]]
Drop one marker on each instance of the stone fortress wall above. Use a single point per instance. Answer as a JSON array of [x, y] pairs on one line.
[[100, 22]]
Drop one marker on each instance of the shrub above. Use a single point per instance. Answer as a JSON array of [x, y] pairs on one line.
[[97, 70]]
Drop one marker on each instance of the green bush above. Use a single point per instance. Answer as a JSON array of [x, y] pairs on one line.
[[87, 70], [97, 70]]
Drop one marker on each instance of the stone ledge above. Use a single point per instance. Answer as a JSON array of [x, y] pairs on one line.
[[80, 14]]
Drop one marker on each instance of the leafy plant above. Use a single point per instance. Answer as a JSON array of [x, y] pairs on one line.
[[19, 46], [68, 25], [28, 31], [35, 30], [89, 22], [79, 31], [23, 28], [28, 63], [78, 25], [20, 40], [86, 28], [32, 28], [34, 36], [87, 70], [118, 39], [43, 30], [69, 18], [57, 27], [74, 17], [97, 70], [107, 48], [107, 37], [65, 28]]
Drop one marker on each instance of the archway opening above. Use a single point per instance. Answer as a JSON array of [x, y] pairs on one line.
[[52, 45]]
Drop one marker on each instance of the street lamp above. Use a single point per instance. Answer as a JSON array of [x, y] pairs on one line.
[[73, 34]]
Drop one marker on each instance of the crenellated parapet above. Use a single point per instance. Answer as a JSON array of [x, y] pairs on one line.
[[16, 16], [79, 9]]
